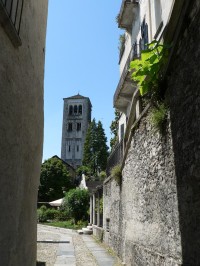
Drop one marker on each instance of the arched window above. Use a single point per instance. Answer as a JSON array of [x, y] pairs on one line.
[[80, 109], [70, 109], [75, 109], [78, 126]]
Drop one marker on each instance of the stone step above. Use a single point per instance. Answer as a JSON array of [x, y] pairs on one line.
[[80, 232], [87, 231]]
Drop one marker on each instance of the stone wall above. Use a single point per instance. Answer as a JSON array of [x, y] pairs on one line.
[[184, 95], [21, 134], [143, 212]]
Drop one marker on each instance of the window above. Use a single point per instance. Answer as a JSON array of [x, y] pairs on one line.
[[69, 126], [11, 9], [69, 148], [144, 36], [75, 109], [78, 126], [77, 148], [80, 109], [70, 110]]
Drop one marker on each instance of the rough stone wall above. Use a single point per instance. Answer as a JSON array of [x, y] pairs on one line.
[[21, 135], [144, 221], [112, 211], [184, 95]]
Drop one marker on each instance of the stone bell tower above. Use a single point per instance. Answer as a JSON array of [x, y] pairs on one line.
[[76, 119]]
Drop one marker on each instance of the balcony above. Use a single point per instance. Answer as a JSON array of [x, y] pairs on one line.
[[115, 157], [126, 14], [10, 18], [126, 87]]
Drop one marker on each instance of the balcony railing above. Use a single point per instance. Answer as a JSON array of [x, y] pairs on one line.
[[115, 157], [11, 15], [134, 54]]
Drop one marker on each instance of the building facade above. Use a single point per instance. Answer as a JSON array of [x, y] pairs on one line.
[[143, 21], [22, 55], [76, 119]]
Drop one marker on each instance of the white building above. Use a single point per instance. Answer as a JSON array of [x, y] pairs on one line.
[[143, 21]]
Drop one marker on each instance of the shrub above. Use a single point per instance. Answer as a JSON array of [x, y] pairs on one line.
[[116, 173], [76, 203], [83, 170], [41, 214], [44, 214], [158, 117], [102, 175]]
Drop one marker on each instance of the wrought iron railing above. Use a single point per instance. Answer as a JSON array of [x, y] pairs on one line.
[[134, 53], [13, 9], [115, 157]]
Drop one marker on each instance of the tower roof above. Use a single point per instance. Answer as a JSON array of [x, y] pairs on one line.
[[78, 96]]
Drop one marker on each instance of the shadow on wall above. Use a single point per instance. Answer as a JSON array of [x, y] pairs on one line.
[[184, 95]]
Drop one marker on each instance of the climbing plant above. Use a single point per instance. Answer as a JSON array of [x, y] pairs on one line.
[[146, 71]]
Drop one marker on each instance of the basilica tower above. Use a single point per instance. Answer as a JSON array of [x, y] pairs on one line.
[[76, 119]]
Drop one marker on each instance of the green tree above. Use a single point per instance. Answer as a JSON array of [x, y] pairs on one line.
[[95, 149], [114, 129], [76, 203], [102, 148], [83, 170], [89, 146], [54, 179]]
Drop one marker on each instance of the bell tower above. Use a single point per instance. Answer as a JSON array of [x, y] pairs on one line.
[[76, 119]]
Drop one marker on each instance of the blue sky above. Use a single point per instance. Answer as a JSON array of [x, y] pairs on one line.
[[81, 57]]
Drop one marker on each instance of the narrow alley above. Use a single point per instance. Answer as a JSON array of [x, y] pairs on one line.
[[58, 246]]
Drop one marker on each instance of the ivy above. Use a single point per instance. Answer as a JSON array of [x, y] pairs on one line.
[[146, 71]]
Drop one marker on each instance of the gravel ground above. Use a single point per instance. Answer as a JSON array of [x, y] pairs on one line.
[[83, 256], [46, 252]]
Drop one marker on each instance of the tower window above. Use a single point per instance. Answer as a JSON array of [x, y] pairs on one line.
[[78, 126], [80, 109], [77, 148], [69, 148], [69, 126], [75, 109], [70, 109]]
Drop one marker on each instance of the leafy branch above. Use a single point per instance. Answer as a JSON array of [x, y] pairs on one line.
[[146, 71]]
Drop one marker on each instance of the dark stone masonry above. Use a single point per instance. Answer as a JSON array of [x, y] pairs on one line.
[[144, 222]]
